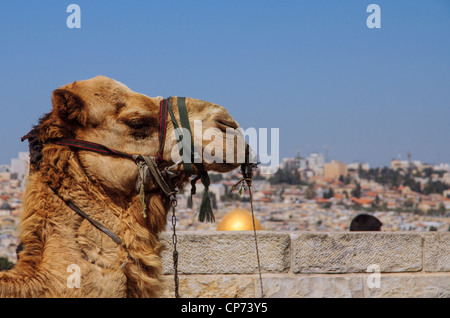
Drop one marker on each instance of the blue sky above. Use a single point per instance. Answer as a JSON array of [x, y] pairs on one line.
[[313, 69]]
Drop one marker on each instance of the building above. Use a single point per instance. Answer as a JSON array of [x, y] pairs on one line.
[[442, 167], [297, 163], [5, 209], [19, 166], [315, 161], [359, 165], [315, 164], [399, 164], [335, 169]]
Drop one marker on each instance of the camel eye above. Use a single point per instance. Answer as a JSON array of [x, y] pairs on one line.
[[137, 124], [141, 127]]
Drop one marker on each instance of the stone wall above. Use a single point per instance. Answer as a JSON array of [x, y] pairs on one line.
[[310, 264]]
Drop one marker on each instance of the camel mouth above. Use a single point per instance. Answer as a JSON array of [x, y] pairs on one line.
[[222, 167], [227, 123]]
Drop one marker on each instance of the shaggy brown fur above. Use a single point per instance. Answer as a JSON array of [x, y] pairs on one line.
[[104, 111]]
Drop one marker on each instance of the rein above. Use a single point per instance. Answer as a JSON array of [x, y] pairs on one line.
[[247, 172]]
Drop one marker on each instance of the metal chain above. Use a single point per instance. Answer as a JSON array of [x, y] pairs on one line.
[[175, 252]]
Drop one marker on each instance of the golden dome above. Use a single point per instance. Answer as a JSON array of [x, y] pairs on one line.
[[238, 220]]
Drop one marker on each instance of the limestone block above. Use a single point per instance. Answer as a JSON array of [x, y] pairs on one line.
[[227, 252], [331, 286], [211, 286], [412, 286], [354, 252], [437, 252]]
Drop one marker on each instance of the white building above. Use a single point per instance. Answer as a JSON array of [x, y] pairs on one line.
[[442, 167], [356, 165], [294, 163], [315, 161], [21, 165]]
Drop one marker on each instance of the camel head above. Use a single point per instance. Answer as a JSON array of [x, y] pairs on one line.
[[104, 111]]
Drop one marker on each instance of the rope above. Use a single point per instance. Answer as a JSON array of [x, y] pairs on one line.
[[256, 240], [248, 181]]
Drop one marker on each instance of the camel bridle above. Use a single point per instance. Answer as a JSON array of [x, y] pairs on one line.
[[151, 167]]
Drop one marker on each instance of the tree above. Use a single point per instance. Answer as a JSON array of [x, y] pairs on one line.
[[356, 192], [189, 202], [215, 177], [258, 176], [441, 209], [411, 183], [286, 176], [310, 193], [434, 187], [213, 198], [427, 172], [328, 194], [408, 203], [377, 200], [5, 264]]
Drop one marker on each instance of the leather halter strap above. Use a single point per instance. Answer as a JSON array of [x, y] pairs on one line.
[[162, 129], [101, 149], [98, 225], [91, 146]]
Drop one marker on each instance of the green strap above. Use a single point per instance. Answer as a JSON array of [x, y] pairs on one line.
[[184, 120], [206, 212]]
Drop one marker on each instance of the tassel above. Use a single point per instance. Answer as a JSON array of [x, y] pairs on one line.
[[142, 199], [206, 212], [189, 202], [140, 184], [193, 187], [193, 191]]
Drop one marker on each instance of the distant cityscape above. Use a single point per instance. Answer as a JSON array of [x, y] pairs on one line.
[[303, 194]]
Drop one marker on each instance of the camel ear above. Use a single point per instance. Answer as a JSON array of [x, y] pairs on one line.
[[69, 106]]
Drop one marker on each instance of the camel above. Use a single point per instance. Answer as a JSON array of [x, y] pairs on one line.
[[58, 243]]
